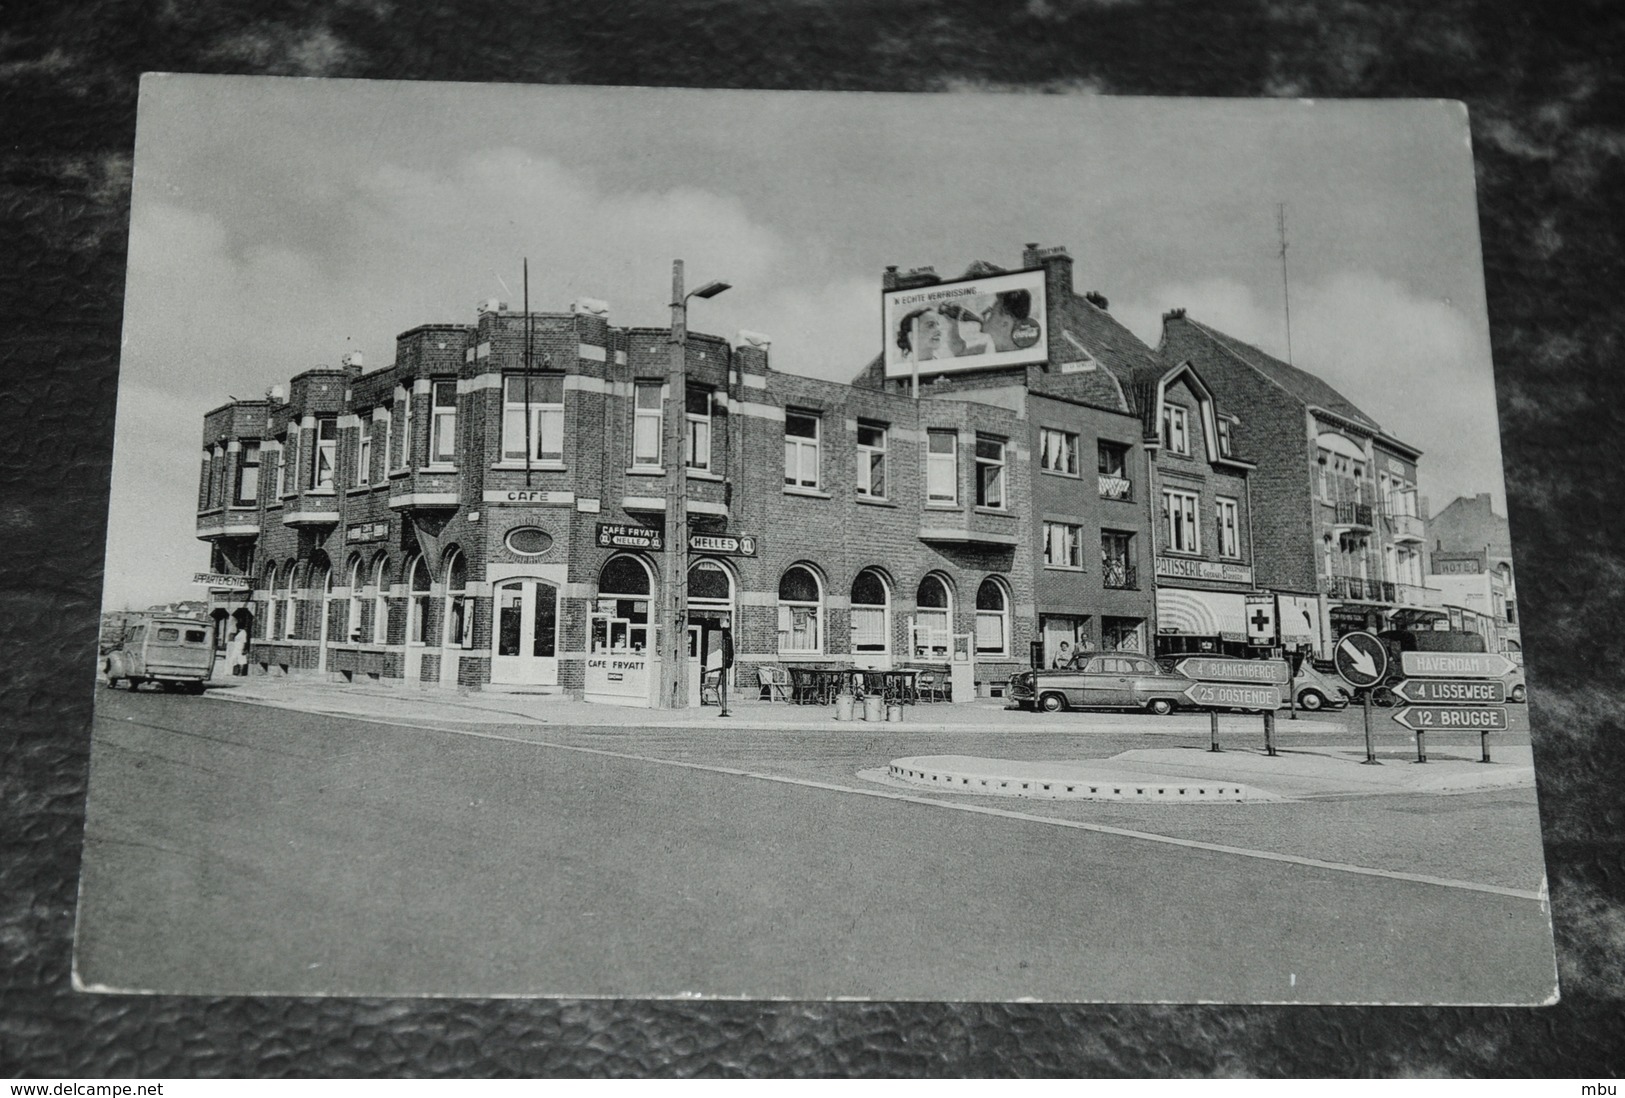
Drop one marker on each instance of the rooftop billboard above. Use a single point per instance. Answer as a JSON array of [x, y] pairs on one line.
[[971, 324]]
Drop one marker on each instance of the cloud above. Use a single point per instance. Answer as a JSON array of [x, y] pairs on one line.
[[1418, 366]]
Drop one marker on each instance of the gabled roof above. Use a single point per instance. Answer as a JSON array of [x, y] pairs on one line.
[[1305, 387]]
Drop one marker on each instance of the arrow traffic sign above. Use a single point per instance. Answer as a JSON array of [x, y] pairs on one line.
[[1452, 691], [1440, 718], [1361, 659], [1213, 668], [1461, 665], [1230, 695]]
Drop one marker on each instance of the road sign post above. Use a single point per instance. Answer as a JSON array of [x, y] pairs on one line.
[[1236, 684], [1213, 720], [1269, 732], [1362, 660]]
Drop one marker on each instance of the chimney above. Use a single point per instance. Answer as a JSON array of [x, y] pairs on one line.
[[917, 276], [1097, 299], [888, 281], [1173, 314], [352, 363], [492, 305], [1057, 264]]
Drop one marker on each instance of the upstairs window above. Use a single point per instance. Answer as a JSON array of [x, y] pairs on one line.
[[989, 472], [697, 411], [647, 423], [801, 432], [1223, 427], [942, 467], [363, 453], [402, 416], [1225, 518], [248, 475], [533, 418], [871, 480], [327, 451], [1179, 528], [1062, 545], [1176, 430], [1058, 451], [443, 424], [1113, 466]]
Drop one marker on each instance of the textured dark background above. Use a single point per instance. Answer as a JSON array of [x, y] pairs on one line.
[[1544, 87]]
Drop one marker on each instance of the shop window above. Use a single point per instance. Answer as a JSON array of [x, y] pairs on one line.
[[380, 601], [1061, 545], [942, 467], [989, 471], [801, 437], [443, 424], [1179, 524], [871, 472], [869, 605], [933, 618], [646, 423], [417, 610], [697, 413], [248, 475], [1122, 634], [992, 619], [621, 614], [1058, 451], [801, 599], [533, 418], [459, 627], [352, 616]]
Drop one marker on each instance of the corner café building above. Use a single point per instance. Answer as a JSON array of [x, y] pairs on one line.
[[475, 517]]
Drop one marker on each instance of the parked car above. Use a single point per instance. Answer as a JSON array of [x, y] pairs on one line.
[[1517, 689], [1107, 680], [1317, 690], [169, 651]]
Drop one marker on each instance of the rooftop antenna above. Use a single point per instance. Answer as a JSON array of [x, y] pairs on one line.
[[1286, 290]]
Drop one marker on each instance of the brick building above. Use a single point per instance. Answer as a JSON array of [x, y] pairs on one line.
[[1334, 493], [1470, 562], [475, 516], [1089, 532]]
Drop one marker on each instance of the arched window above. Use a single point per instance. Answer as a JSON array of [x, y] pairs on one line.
[[459, 612], [418, 606], [266, 626], [710, 594], [870, 600], [380, 600], [933, 618], [801, 599], [352, 617], [290, 602], [621, 614], [321, 588], [992, 619]]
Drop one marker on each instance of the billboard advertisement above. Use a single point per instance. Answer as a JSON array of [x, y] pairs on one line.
[[971, 324]]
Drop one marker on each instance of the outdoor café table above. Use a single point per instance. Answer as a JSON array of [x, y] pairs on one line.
[[801, 685], [898, 687]]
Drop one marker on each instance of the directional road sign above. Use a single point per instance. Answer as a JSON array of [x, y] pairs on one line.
[[1361, 659], [1214, 669], [1452, 718], [1461, 665], [1452, 691], [1230, 695]]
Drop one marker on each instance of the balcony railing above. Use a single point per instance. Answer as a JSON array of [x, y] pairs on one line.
[[1354, 514], [1407, 528], [1362, 590], [1120, 575], [1115, 487]]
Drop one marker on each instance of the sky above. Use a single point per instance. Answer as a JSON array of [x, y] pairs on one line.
[[278, 223]]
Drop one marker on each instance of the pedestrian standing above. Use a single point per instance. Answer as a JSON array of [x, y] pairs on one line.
[[238, 652]]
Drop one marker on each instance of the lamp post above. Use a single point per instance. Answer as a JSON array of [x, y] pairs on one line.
[[674, 650]]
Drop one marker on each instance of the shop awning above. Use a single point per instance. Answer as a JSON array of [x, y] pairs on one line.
[[1221, 614]]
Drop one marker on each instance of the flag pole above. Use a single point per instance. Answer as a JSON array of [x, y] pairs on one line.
[[528, 443]]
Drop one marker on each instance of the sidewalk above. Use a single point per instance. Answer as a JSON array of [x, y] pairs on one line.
[[414, 704]]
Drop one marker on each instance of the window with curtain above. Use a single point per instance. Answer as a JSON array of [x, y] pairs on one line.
[[992, 619], [869, 613], [800, 606]]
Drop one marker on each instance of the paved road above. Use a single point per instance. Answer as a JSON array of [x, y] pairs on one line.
[[233, 849]]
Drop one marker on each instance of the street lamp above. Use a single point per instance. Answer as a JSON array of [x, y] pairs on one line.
[[674, 650]]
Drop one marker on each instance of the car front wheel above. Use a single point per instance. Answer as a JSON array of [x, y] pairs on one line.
[[1311, 700], [1052, 703], [1519, 693], [1159, 707]]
